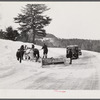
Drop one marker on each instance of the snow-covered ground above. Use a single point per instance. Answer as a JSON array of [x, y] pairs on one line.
[[83, 74]]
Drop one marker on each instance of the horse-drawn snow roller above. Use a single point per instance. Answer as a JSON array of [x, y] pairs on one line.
[[52, 61]]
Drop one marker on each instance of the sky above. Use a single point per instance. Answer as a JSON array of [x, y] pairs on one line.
[[69, 19]]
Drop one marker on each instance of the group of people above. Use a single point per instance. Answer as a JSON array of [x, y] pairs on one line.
[[31, 53]]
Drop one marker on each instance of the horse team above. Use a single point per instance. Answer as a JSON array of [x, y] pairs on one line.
[[26, 53]]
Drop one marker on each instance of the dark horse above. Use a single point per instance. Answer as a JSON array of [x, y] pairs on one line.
[[36, 54]]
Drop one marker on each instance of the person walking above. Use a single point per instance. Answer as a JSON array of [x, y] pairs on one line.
[[22, 51], [18, 55], [45, 50]]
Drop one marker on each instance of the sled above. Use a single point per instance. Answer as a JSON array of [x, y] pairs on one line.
[[50, 61]]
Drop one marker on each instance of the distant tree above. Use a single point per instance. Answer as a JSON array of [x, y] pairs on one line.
[[2, 34], [15, 35], [32, 19], [11, 34]]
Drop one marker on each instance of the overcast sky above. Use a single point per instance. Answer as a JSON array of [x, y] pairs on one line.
[[69, 19]]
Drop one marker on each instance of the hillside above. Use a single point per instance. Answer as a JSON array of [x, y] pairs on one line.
[[50, 39], [51, 36], [84, 44]]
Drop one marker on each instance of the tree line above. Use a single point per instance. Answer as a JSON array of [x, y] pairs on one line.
[[9, 34], [84, 44]]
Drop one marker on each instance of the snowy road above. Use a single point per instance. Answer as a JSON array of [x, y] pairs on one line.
[[83, 74]]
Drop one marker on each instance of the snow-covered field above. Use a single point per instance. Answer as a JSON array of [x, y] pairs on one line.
[[83, 74]]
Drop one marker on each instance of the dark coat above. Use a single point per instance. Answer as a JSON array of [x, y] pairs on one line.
[[18, 54], [45, 49], [70, 54]]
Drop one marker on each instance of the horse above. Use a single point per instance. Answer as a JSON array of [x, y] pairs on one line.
[[28, 54]]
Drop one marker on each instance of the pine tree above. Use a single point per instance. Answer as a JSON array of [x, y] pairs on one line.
[[32, 19]]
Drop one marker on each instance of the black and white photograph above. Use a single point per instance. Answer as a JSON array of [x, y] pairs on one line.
[[50, 46]]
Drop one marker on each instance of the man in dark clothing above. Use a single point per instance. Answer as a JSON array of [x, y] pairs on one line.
[[70, 56], [22, 50], [77, 53], [45, 50], [19, 55]]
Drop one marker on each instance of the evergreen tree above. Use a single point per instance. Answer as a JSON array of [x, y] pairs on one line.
[[2, 34], [11, 34], [32, 19]]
